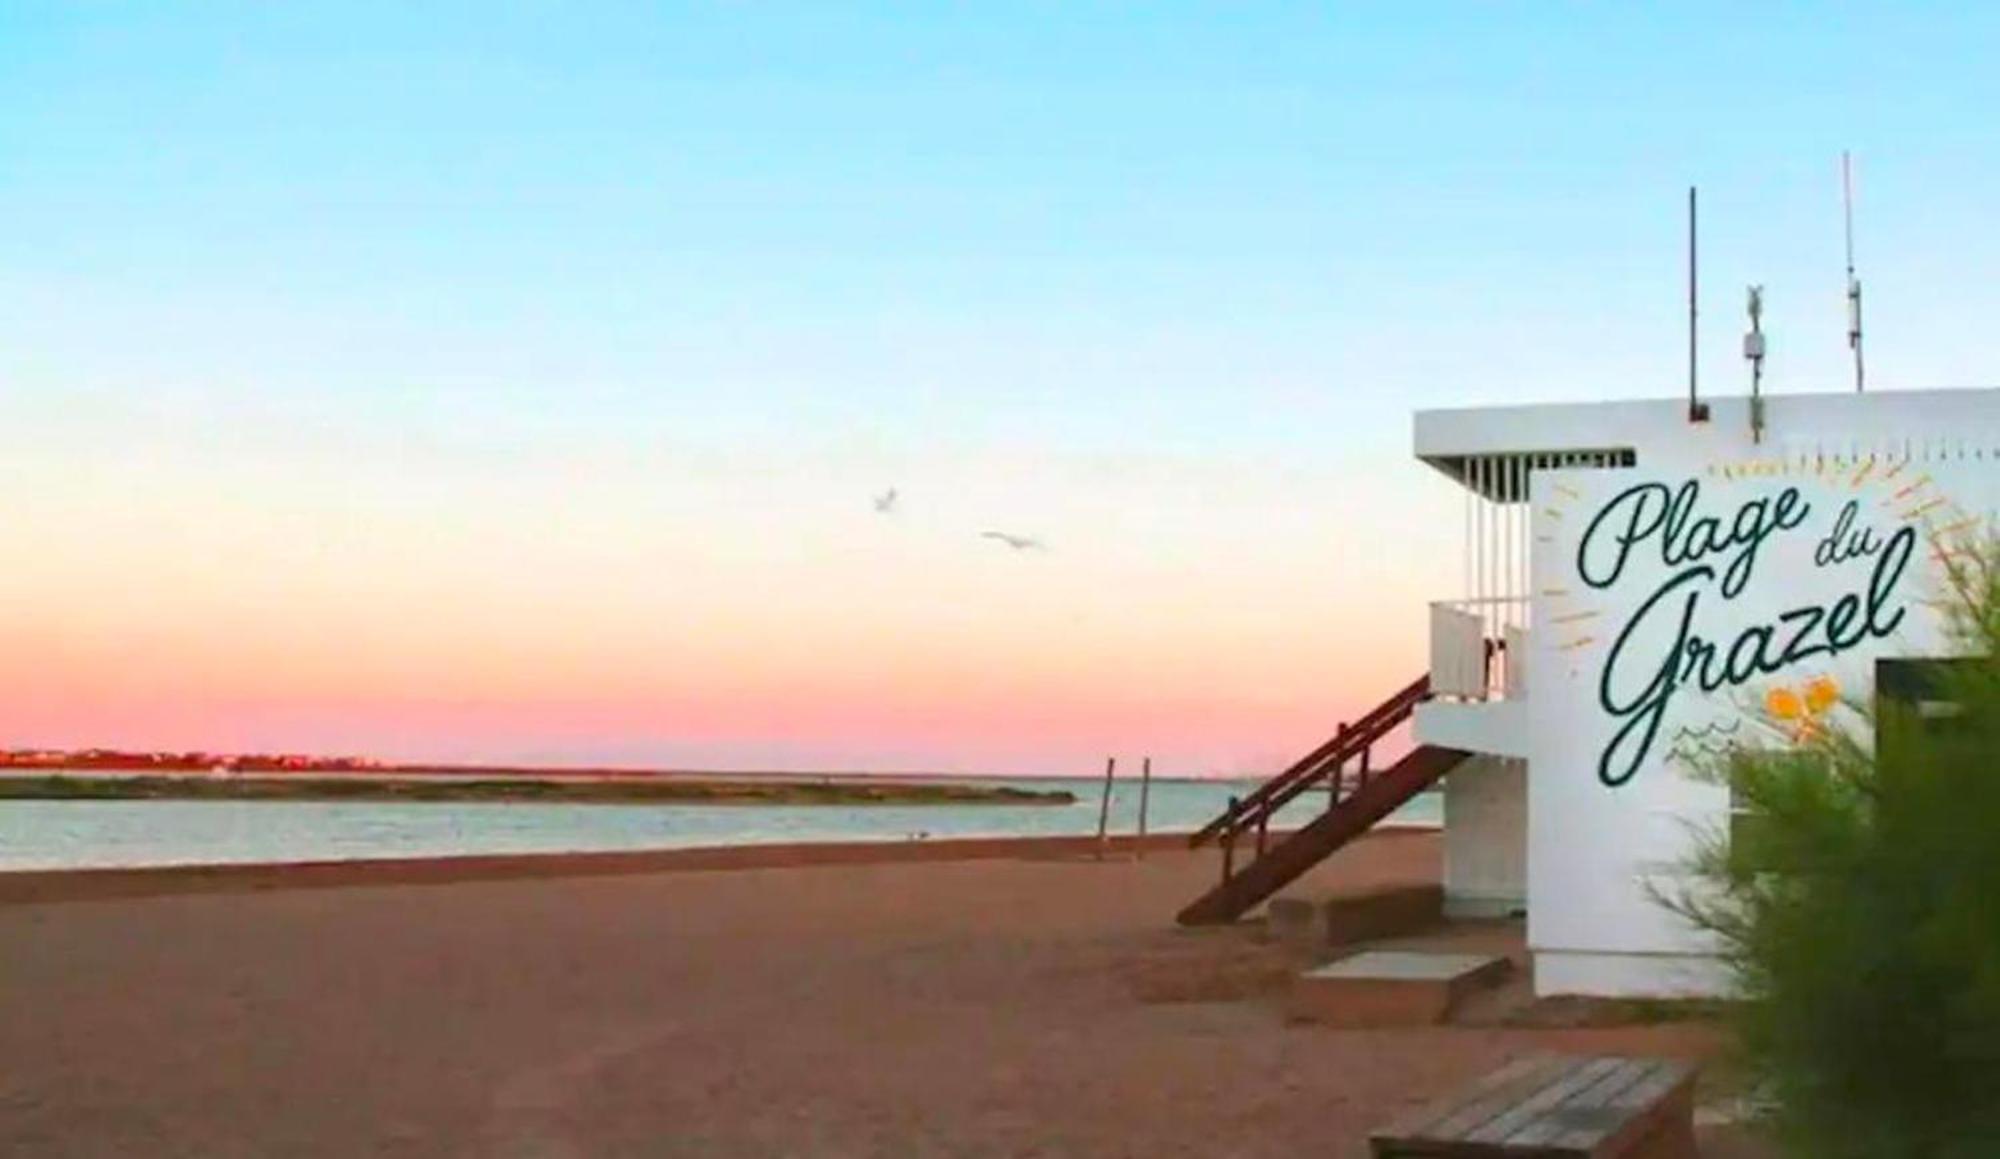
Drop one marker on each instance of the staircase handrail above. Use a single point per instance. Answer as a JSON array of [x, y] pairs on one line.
[[1343, 746]]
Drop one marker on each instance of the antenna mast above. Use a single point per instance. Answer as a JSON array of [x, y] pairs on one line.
[[1753, 349], [1853, 283], [1697, 413]]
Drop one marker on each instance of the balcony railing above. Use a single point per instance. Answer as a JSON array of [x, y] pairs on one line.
[[1479, 648]]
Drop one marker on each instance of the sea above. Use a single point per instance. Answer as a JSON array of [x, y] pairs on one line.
[[107, 834]]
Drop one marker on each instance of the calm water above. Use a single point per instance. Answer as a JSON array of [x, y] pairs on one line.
[[72, 834]]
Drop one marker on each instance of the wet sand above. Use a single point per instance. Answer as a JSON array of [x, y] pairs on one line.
[[36, 886], [1003, 1005]]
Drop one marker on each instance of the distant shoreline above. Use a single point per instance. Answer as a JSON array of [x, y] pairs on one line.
[[584, 790], [404, 770]]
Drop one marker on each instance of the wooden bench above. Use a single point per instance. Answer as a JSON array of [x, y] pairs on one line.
[[1556, 1107]]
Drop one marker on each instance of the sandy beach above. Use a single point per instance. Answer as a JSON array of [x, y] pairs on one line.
[[1031, 1001]]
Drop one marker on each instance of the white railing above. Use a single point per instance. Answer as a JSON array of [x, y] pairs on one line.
[[1479, 648], [1498, 531], [1479, 642]]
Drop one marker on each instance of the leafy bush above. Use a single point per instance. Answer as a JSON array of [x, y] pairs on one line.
[[1857, 899]]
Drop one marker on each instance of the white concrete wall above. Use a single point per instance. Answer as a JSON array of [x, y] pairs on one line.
[[1495, 727], [1486, 838], [1595, 852], [1614, 812], [1629, 975]]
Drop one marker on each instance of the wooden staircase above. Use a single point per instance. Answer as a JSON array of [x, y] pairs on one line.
[[1357, 798]]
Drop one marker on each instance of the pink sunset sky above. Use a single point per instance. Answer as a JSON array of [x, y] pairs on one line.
[[260, 578], [390, 382]]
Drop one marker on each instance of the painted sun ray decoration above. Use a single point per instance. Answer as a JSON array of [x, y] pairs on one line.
[[1922, 481], [1559, 595], [1928, 506]]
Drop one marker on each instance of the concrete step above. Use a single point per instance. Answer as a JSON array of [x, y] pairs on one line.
[[1312, 926], [1391, 987]]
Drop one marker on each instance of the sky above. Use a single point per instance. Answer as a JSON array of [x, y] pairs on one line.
[[511, 382]]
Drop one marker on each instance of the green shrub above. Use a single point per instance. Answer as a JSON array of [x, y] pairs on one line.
[[1857, 900]]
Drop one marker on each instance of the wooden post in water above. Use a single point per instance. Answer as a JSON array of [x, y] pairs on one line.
[[1145, 790], [1339, 771], [1229, 843], [1104, 807]]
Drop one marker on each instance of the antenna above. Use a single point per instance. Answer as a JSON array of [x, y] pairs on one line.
[[1853, 283], [1753, 349], [1697, 413]]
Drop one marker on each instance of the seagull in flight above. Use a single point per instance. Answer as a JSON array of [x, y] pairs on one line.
[[1017, 542], [885, 502]]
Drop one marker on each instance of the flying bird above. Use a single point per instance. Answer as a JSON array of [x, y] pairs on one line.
[[1017, 542], [885, 502]]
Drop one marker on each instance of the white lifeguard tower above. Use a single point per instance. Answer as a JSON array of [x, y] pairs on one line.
[[1642, 581]]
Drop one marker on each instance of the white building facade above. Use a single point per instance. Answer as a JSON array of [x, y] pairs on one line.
[[1643, 589]]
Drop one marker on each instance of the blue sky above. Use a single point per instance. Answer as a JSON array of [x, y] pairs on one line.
[[286, 277]]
